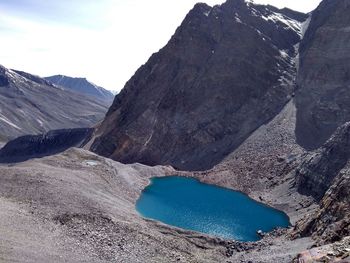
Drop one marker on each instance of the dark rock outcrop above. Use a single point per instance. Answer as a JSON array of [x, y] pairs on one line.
[[35, 146], [32, 105], [319, 169], [3, 79], [325, 175], [332, 221], [323, 104], [226, 71], [323, 97], [81, 85]]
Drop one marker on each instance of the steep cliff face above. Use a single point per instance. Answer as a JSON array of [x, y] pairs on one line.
[[323, 105], [319, 169], [332, 222], [323, 97], [325, 175], [226, 71]]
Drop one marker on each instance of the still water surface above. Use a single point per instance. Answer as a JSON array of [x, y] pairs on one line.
[[190, 204]]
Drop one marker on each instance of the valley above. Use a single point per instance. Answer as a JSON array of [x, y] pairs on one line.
[[244, 96], [87, 213], [32, 105]]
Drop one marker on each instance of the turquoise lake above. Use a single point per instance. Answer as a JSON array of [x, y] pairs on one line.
[[189, 204]]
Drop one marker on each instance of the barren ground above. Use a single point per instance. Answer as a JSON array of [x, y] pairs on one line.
[[79, 207]]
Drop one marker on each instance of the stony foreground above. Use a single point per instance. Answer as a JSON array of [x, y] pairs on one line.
[[78, 207]]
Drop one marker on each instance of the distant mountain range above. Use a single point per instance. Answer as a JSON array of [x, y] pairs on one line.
[[31, 105], [82, 85]]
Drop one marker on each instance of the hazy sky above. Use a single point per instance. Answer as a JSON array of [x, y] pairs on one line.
[[102, 40]]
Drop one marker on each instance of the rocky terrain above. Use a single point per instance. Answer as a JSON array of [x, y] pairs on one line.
[[188, 127], [32, 105], [336, 252], [324, 76], [35, 146], [231, 100], [325, 175], [83, 86], [79, 207], [197, 99], [84, 206]]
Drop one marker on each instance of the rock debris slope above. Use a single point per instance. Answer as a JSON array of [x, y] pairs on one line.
[[32, 105], [80, 207], [227, 70]]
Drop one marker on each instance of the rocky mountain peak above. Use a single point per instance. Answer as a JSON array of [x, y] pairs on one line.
[[226, 71], [34, 78], [236, 4], [82, 86]]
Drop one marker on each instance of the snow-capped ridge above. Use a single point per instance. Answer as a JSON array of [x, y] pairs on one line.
[[81, 85], [31, 105], [277, 18]]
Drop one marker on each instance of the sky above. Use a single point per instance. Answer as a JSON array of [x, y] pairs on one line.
[[105, 41]]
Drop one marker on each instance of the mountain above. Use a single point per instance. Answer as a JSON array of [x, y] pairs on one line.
[[227, 70], [325, 175], [83, 86], [32, 105], [322, 125], [323, 98], [252, 97]]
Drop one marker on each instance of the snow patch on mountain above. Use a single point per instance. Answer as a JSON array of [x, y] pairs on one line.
[[284, 54], [7, 121], [238, 19], [83, 86], [278, 19], [305, 26]]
